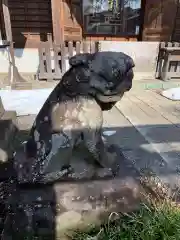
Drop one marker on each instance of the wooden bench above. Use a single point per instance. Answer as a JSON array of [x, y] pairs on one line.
[[168, 61]]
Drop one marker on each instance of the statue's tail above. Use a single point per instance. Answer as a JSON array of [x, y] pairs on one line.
[[53, 176]]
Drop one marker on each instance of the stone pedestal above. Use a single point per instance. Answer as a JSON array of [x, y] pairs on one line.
[[59, 209]]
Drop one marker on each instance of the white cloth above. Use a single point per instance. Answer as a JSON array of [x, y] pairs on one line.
[[173, 94]]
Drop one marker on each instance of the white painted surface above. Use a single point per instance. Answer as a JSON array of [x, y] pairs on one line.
[[26, 60], [24, 102]]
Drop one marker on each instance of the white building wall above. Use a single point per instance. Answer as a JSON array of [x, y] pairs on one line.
[[26, 60], [143, 53]]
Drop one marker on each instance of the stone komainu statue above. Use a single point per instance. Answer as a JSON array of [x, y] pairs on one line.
[[72, 115]]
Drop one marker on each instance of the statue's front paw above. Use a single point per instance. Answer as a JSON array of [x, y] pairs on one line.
[[112, 148], [68, 170], [104, 173], [109, 158], [67, 167]]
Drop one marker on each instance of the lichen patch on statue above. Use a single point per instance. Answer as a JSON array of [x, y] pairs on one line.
[[72, 117]]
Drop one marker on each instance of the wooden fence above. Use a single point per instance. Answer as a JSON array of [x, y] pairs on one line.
[[53, 58]]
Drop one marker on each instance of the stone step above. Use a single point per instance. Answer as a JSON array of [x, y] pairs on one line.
[[2, 110], [8, 127]]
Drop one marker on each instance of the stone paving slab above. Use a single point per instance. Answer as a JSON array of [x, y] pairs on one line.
[[151, 115]]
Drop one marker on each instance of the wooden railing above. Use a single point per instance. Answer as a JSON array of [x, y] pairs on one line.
[[53, 58]]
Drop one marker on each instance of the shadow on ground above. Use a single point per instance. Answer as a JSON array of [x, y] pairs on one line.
[[49, 211]]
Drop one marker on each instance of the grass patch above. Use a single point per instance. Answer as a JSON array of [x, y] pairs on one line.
[[154, 222]]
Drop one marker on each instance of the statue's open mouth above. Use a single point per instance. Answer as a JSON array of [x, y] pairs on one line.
[[115, 95], [109, 98]]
